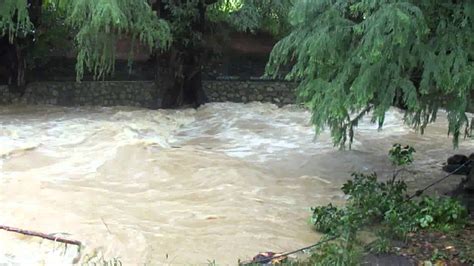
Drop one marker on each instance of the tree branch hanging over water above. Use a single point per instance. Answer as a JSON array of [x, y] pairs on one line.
[[349, 54]]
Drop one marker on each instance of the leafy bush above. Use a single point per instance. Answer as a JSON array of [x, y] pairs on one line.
[[441, 213], [385, 205], [325, 217], [371, 197]]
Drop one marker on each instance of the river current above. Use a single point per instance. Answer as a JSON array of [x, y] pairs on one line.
[[222, 182]]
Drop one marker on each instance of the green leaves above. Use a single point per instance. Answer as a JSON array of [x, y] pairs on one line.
[[441, 213], [97, 24], [425, 220], [382, 206], [401, 155], [348, 55], [100, 24], [253, 15], [324, 218], [385, 205], [14, 19]]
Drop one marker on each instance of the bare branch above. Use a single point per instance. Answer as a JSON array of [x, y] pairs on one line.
[[42, 235]]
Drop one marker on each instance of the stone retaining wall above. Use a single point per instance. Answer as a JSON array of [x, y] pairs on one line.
[[99, 93], [144, 93], [280, 93], [6, 97]]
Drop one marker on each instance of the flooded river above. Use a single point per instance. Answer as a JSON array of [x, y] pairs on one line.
[[219, 183]]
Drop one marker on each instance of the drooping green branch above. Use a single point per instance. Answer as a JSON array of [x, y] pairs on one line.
[[14, 19], [348, 55], [99, 25]]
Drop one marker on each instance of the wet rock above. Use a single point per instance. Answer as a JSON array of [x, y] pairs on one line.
[[457, 169], [459, 164], [457, 159]]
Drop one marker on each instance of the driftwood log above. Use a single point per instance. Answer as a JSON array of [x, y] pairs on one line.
[[42, 235]]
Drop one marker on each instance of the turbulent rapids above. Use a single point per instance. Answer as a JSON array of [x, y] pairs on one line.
[[220, 183]]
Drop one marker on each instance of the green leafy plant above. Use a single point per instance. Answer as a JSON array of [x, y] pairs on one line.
[[352, 57], [441, 213], [438, 255], [401, 155], [380, 246], [385, 205], [324, 216]]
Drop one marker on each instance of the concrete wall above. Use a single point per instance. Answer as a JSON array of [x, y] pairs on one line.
[[144, 93]]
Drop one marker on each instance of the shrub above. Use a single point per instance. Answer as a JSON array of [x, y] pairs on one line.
[[385, 205]]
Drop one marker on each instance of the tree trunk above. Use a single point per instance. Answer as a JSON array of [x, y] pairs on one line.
[[14, 65], [20, 68], [14, 54], [182, 83], [186, 75], [8, 62]]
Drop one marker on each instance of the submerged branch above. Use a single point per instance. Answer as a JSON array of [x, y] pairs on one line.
[[42, 235]]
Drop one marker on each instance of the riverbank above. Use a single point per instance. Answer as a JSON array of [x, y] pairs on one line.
[[430, 247], [382, 224], [438, 248], [425, 247]]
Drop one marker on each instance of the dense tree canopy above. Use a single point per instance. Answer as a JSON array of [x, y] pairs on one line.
[[353, 57]]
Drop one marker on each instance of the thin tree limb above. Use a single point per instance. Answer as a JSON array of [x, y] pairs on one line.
[[42, 235], [352, 122]]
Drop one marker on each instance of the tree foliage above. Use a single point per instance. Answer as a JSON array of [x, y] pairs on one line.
[[254, 15], [97, 25], [14, 19], [352, 57], [100, 23]]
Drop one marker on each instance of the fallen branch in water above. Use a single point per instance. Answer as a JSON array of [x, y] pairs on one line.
[[42, 235]]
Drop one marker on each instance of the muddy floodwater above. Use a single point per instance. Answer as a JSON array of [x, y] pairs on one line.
[[222, 183]]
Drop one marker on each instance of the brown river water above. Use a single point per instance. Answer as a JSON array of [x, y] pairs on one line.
[[222, 183]]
